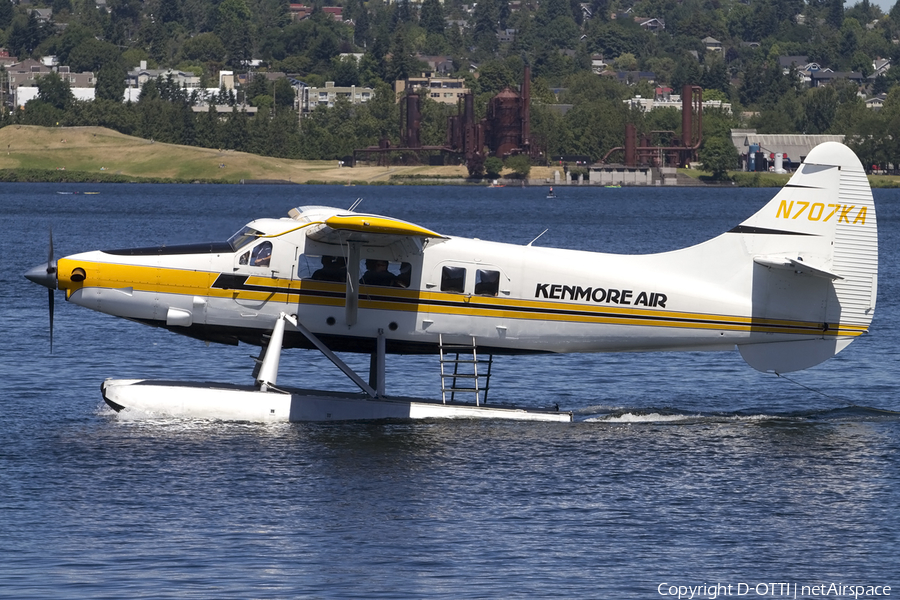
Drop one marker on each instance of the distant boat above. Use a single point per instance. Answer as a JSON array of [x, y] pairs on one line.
[[67, 193], [92, 192], [612, 186], [496, 183]]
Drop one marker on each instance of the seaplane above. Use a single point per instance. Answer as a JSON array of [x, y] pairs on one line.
[[790, 287]]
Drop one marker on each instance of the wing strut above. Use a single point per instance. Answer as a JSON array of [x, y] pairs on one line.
[[337, 361], [268, 370], [376, 364], [352, 295]]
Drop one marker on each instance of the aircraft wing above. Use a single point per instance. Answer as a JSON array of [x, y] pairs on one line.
[[369, 230]]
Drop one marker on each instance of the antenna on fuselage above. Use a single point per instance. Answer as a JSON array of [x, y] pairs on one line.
[[355, 204], [539, 235]]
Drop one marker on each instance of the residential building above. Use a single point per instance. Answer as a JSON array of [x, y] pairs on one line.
[[651, 24], [299, 12], [632, 77], [446, 90], [876, 102], [666, 99], [23, 76], [441, 65], [311, 97], [712, 44], [137, 77], [826, 76]]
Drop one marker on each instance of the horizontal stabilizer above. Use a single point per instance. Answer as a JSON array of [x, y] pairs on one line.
[[797, 265]]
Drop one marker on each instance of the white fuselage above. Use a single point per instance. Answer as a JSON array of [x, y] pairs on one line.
[[543, 300]]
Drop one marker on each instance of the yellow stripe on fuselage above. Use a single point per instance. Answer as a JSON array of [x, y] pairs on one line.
[[199, 283]]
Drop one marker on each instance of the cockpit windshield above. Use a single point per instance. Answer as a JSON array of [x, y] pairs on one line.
[[243, 237]]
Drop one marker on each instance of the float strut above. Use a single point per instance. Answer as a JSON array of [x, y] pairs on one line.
[[268, 373]]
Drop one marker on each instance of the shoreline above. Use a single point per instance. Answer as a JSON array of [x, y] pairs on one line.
[[96, 155]]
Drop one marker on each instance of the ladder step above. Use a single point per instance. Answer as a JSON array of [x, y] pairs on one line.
[[460, 376]]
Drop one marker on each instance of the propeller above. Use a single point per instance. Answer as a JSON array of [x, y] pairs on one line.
[[45, 275], [51, 272]]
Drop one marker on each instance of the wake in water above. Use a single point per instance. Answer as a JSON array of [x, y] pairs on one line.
[[851, 413]]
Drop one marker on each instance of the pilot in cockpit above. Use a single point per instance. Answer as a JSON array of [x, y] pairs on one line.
[[261, 255]]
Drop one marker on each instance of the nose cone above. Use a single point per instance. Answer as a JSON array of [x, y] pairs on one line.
[[44, 275]]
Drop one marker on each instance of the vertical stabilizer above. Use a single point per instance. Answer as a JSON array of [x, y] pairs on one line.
[[818, 234]]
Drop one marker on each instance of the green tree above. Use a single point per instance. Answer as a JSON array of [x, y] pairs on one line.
[[431, 17], [91, 55], [209, 133], [233, 28], [54, 91], [718, 155], [492, 166], [205, 47], [111, 81], [403, 61], [519, 164], [6, 14], [284, 94], [345, 71], [819, 109], [487, 17]]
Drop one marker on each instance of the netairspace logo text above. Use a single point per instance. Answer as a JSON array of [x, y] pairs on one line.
[[772, 590]]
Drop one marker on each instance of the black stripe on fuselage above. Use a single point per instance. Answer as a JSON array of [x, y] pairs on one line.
[[764, 231], [238, 282], [206, 248]]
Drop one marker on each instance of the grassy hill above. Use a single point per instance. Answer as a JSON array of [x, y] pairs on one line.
[[99, 154]]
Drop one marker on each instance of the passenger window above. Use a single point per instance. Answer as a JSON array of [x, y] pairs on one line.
[[453, 279], [261, 255], [487, 283], [322, 268], [376, 271]]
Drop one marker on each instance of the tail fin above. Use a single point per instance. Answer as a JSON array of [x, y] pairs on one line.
[[815, 243]]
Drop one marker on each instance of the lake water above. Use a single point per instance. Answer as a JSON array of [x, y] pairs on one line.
[[682, 469]]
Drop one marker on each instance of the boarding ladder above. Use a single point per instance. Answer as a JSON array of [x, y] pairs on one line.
[[464, 376]]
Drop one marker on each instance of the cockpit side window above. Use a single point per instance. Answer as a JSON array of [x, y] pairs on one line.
[[487, 283], [453, 279], [261, 255]]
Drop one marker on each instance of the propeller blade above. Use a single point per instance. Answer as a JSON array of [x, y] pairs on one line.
[[45, 275], [50, 296], [51, 270]]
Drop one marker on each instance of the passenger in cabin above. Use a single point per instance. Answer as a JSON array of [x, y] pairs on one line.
[[334, 268], [453, 279], [487, 283], [405, 277], [377, 273], [261, 255]]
